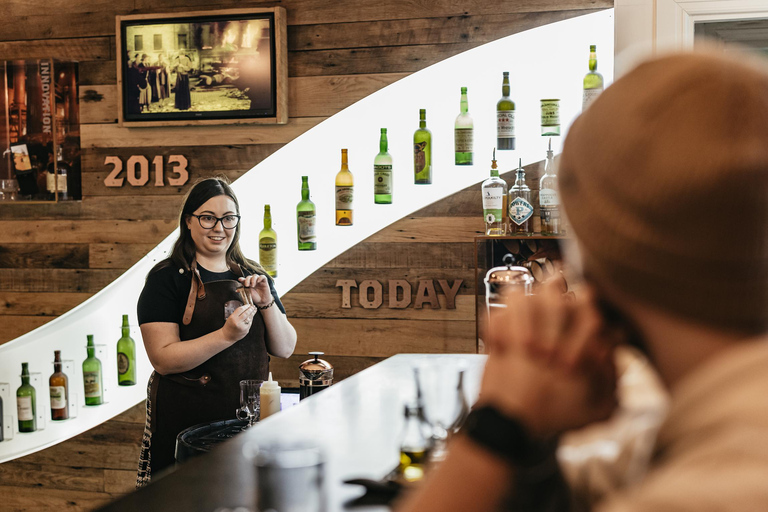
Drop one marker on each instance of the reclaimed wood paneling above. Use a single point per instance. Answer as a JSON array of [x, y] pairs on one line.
[[86, 231], [13, 326], [54, 256], [116, 255], [319, 305], [113, 136], [383, 338], [77, 49], [42, 304], [35, 255]]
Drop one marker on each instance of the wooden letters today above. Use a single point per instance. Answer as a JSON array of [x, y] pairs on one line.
[[371, 293]]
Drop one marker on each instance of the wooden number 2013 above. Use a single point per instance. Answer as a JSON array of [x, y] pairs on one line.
[[137, 171]]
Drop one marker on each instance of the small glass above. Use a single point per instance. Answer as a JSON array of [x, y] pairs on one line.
[[440, 391], [250, 404], [290, 477]]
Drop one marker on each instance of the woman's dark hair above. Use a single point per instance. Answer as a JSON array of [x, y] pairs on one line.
[[183, 252]]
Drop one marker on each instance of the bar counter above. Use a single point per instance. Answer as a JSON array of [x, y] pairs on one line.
[[357, 423]]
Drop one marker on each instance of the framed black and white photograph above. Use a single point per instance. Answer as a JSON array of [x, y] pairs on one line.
[[212, 67]]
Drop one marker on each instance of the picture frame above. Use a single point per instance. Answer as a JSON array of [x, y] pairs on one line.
[[202, 68]]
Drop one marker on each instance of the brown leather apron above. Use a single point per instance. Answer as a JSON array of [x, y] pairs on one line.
[[211, 391]]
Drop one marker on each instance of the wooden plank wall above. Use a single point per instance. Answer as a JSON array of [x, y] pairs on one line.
[[52, 257]]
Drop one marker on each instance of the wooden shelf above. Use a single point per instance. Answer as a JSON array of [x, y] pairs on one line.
[[521, 237]]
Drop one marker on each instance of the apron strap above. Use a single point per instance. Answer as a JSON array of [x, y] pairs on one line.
[[196, 292]]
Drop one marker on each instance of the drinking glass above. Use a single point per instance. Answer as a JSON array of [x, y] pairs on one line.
[[290, 476], [440, 391], [250, 404]]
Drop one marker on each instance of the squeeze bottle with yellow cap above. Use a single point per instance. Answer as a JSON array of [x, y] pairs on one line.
[[270, 397]]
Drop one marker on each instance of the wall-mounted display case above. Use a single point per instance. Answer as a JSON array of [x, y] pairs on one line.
[[39, 131]]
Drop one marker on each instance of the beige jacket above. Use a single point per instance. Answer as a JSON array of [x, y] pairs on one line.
[[711, 453]]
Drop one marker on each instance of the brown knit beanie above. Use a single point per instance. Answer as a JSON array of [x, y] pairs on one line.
[[665, 183]]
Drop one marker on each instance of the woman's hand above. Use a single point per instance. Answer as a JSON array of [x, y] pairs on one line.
[[259, 288], [239, 323], [550, 362]]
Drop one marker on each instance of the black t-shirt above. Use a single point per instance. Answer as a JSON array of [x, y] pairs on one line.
[[166, 291]]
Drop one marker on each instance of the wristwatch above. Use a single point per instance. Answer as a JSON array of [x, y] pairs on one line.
[[508, 438]]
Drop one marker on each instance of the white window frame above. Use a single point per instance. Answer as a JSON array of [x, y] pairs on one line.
[[649, 27]]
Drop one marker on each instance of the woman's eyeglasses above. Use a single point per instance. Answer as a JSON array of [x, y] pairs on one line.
[[209, 221]]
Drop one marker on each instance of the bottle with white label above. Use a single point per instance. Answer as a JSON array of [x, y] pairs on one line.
[[305, 219], [59, 390], [593, 81], [269, 397], [26, 402], [92, 381], [382, 172], [494, 191], [549, 200], [520, 207], [505, 117], [463, 133]]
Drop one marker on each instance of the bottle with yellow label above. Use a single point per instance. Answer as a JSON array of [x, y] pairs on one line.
[[344, 190], [268, 244]]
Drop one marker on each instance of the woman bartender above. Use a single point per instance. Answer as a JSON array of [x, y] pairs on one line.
[[200, 355]]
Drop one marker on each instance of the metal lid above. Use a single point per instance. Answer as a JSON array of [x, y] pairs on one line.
[[510, 275], [316, 368]]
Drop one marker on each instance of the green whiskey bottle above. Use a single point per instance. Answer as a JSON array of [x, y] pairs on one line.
[[463, 133], [382, 172], [422, 151], [26, 402], [505, 117], [268, 244], [126, 356], [305, 219], [92, 376], [593, 81]]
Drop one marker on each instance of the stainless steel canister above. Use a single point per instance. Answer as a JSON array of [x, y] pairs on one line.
[[502, 280]]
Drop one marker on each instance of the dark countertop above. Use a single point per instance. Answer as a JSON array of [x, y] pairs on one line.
[[356, 422]]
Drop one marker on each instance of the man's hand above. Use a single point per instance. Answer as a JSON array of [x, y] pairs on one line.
[[550, 362]]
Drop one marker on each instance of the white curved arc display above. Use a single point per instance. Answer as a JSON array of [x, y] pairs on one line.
[[545, 62]]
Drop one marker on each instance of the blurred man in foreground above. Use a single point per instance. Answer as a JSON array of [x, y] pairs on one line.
[[665, 182]]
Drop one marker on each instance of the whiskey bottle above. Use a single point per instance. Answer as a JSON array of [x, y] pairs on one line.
[[268, 244], [593, 81], [126, 356], [520, 207], [56, 178], [549, 201], [26, 402], [494, 191], [422, 152], [59, 390], [505, 118], [382, 172], [463, 133], [344, 192], [92, 376], [305, 219]]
